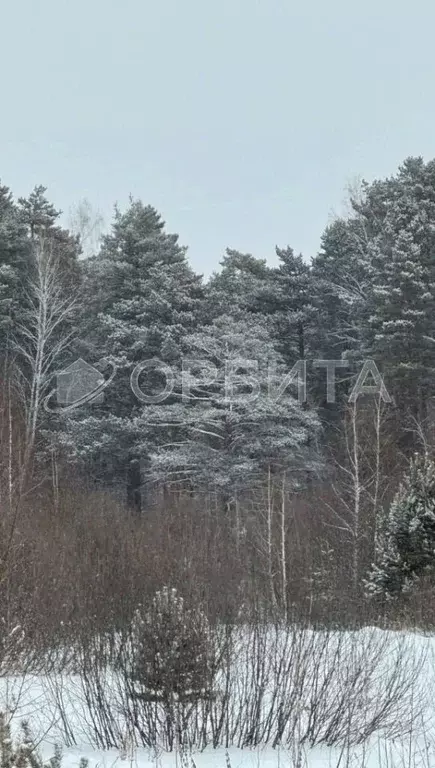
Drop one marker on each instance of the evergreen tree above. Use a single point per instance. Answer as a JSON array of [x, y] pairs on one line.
[[144, 298], [375, 283], [406, 549], [145, 293], [291, 303], [401, 327], [247, 286], [234, 424], [41, 219], [241, 287], [172, 650], [38, 213], [15, 260], [341, 279]]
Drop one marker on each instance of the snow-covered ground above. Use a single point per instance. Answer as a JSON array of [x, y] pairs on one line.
[[56, 707], [371, 756]]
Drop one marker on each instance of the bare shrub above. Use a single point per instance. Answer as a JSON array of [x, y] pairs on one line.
[[272, 685]]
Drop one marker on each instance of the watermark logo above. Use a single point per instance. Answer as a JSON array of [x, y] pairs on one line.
[[239, 380], [152, 366], [78, 384]]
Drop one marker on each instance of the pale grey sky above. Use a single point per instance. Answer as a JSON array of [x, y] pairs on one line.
[[242, 121]]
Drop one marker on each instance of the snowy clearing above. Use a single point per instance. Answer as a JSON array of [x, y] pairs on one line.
[[59, 711]]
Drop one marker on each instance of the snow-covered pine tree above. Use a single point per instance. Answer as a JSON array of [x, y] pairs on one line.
[[341, 282], [243, 286], [401, 327], [142, 298], [375, 283], [406, 546], [292, 306], [15, 262], [340, 279], [247, 286], [22, 749], [41, 219], [171, 645], [37, 212], [227, 434]]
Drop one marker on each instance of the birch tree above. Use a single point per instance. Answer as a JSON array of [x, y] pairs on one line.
[[87, 224], [360, 481], [41, 337]]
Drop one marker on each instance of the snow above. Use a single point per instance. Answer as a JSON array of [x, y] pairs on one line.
[[37, 698], [376, 755]]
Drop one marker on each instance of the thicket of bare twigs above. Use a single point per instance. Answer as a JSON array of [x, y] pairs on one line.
[[81, 564], [85, 565], [266, 684], [200, 623]]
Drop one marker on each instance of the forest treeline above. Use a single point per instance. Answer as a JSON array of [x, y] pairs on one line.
[[248, 501]]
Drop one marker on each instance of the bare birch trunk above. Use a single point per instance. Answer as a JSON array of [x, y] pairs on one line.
[[283, 548], [270, 537]]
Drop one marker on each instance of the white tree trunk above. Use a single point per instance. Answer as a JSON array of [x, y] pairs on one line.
[[283, 547]]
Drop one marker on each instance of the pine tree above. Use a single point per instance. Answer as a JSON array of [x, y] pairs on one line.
[[401, 325], [23, 750], [15, 263], [406, 549], [341, 279], [232, 425], [292, 306], [375, 283], [145, 293], [144, 299], [172, 650], [41, 219], [242, 285]]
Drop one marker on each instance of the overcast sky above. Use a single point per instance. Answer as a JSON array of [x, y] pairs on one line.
[[242, 121]]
